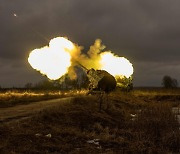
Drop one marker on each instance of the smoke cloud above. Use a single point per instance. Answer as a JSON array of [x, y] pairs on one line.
[[61, 57]]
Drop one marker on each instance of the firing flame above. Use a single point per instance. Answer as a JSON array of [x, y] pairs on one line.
[[116, 66], [53, 60], [61, 55]]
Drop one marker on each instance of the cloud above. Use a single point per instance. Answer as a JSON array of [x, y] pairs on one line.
[[143, 31]]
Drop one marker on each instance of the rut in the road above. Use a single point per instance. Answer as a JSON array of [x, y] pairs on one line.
[[26, 111]]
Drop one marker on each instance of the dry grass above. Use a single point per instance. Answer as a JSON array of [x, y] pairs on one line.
[[130, 124], [14, 97]]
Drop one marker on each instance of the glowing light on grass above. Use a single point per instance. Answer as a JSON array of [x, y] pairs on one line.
[[53, 60], [117, 66]]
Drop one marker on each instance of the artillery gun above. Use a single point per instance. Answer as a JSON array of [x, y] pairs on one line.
[[100, 80], [124, 83]]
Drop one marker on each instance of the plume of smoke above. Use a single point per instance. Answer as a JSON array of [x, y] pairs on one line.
[[53, 57], [89, 60], [97, 58], [92, 58]]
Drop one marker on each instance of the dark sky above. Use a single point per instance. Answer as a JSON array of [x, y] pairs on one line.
[[147, 32]]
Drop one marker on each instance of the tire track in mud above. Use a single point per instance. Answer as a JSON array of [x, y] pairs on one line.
[[19, 112]]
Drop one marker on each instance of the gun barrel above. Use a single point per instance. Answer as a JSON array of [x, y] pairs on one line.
[[81, 65]]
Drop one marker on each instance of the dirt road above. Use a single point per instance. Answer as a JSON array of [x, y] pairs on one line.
[[25, 111]]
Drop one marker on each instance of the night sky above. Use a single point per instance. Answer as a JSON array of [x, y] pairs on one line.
[[147, 32]]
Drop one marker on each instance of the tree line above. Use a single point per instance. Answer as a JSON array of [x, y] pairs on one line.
[[169, 82]]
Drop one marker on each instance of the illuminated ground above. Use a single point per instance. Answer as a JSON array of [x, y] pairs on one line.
[[19, 112], [138, 122]]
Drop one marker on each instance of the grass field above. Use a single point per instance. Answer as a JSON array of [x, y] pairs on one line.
[[10, 98], [137, 122]]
